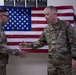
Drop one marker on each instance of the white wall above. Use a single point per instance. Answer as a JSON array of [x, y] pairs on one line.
[[1, 2], [34, 63], [63, 2]]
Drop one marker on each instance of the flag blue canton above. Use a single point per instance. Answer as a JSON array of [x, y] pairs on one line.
[[20, 19]]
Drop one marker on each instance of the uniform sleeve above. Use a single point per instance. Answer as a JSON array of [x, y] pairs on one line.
[[6, 50], [3, 47], [72, 40], [40, 43]]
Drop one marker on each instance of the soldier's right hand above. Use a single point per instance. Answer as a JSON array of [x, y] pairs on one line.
[[21, 53]]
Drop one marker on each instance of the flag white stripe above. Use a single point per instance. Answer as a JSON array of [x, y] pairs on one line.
[[59, 11], [42, 25], [17, 46], [65, 11], [22, 39], [39, 25], [23, 32], [66, 18]]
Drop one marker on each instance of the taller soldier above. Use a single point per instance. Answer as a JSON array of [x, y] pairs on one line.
[[4, 49], [61, 39]]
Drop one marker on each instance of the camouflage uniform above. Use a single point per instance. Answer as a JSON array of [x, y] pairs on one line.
[[60, 38], [74, 67], [4, 51], [74, 71]]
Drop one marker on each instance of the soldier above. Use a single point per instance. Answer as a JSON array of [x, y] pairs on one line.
[[61, 39], [4, 50]]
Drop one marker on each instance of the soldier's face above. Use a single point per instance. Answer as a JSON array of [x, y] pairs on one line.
[[5, 18], [50, 15]]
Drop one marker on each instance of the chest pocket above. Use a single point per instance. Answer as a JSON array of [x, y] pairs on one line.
[[62, 37], [50, 35], [56, 35]]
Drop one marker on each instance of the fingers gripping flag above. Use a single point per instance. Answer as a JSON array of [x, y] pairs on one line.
[[27, 24]]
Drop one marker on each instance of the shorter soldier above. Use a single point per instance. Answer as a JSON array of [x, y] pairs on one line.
[[4, 50], [61, 39]]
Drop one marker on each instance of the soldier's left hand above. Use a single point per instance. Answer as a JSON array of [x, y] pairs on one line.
[[23, 45]]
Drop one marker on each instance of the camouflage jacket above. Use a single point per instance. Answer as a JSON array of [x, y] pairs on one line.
[[61, 39], [4, 50]]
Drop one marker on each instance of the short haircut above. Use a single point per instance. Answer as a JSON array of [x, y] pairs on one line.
[[3, 10], [52, 8]]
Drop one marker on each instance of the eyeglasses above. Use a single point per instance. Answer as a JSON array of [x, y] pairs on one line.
[[6, 15]]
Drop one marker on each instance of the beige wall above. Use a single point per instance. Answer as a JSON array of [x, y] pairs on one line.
[[33, 64]]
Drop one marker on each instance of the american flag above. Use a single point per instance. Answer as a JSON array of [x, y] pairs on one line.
[[27, 24]]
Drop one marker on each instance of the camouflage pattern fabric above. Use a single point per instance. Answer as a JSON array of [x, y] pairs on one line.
[[61, 39], [73, 71], [73, 67], [2, 70], [4, 51]]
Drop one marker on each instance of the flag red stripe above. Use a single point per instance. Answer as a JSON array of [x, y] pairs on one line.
[[13, 43], [22, 36], [37, 9], [65, 14], [64, 7], [59, 14], [37, 29]]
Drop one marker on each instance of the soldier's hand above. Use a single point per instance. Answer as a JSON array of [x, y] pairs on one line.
[[21, 53], [23, 45]]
